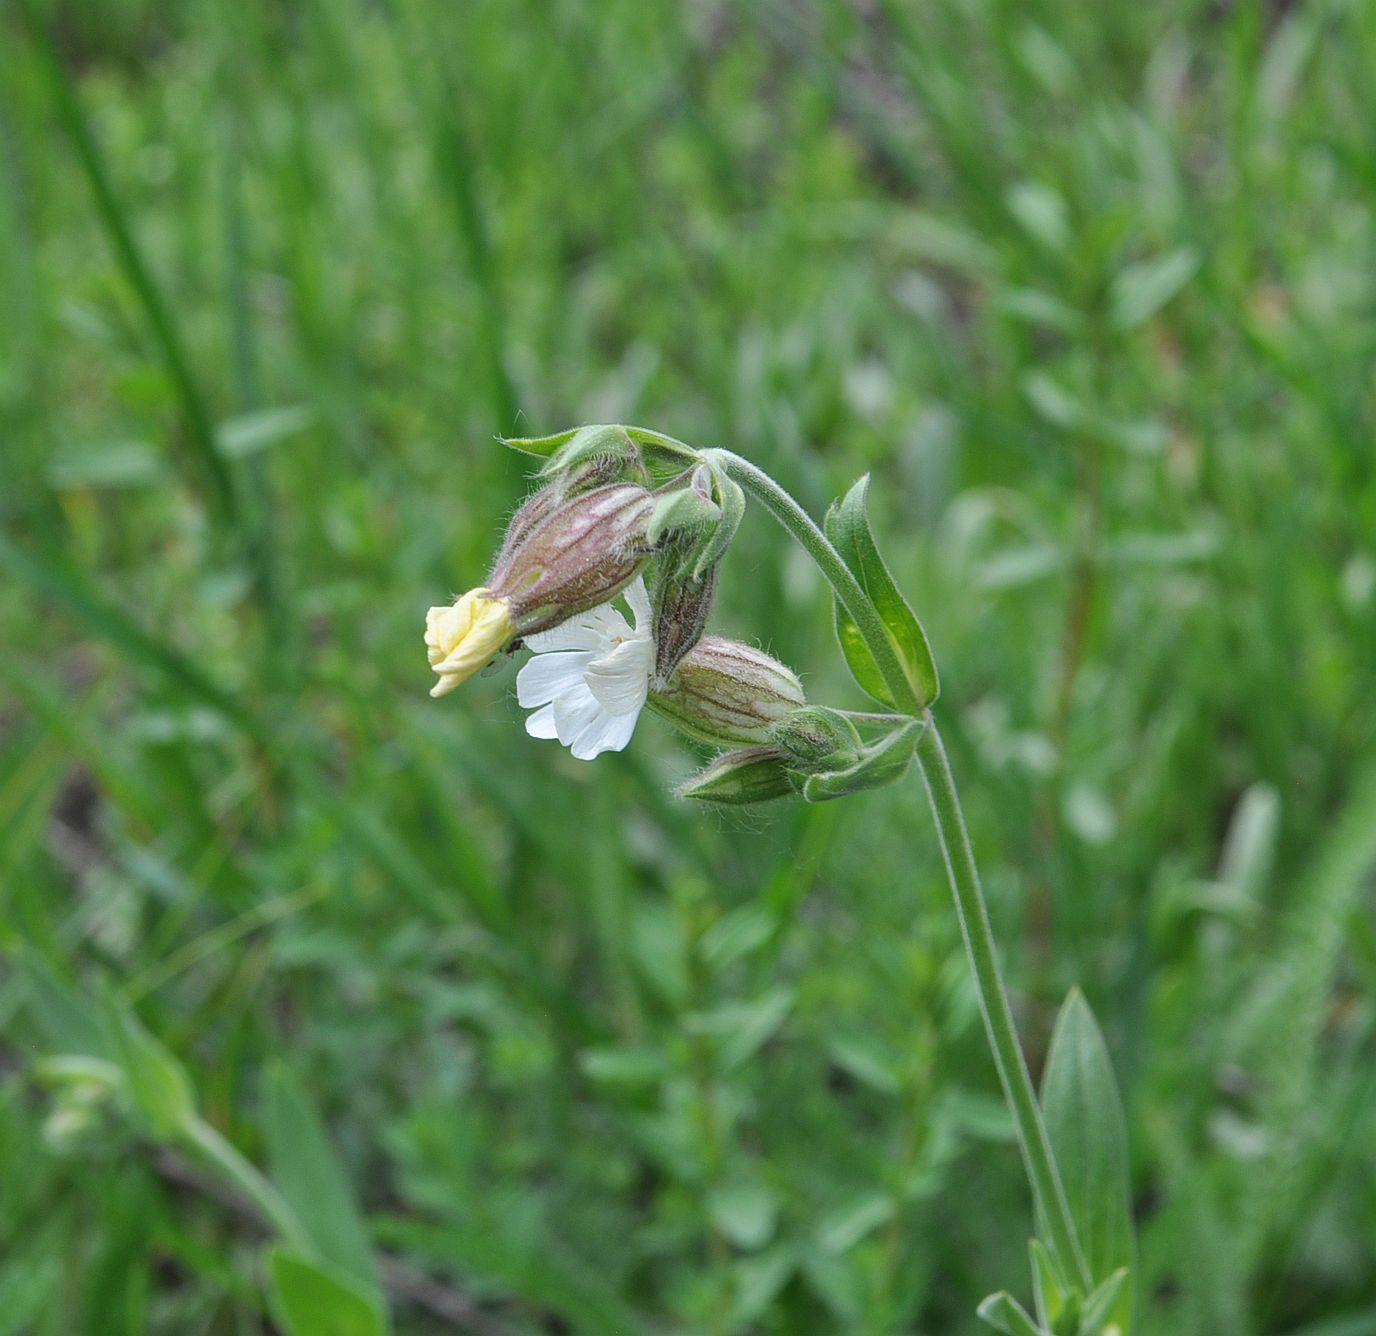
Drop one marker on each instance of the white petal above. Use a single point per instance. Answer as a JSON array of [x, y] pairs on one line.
[[639, 602], [593, 630], [610, 732], [541, 723], [574, 711], [549, 675], [621, 680]]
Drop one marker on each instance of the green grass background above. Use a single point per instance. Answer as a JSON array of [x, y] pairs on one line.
[[1092, 292]]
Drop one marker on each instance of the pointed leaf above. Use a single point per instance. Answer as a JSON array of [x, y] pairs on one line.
[[1103, 1305], [1049, 1288], [310, 1299], [1084, 1119], [848, 527], [308, 1174], [1141, 290]]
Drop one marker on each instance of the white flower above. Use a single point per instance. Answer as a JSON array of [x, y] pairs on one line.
[[590, 676]]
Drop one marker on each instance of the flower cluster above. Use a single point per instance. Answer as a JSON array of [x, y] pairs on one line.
[[631, 516]]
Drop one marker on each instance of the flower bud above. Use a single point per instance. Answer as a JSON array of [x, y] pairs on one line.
[[461, 638], [578, 556], [755, 775], [727, 692], [681, 610], [818, 738], [563, 554]]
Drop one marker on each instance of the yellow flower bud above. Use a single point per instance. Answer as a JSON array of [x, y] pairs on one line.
[[461, 638]]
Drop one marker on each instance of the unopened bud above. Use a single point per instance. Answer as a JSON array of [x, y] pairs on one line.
[[727, 692], [755, 775], [563, 555], [579, 556], [819, 739], [681, 611]]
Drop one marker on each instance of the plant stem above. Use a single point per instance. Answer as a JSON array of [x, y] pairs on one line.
[[269, 1202], [1038, 1158]]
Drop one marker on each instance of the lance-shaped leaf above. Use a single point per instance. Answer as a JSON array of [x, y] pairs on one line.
[[882, 763], [311, 1298], [309, 1176], [1084, 1119], [848, 527]]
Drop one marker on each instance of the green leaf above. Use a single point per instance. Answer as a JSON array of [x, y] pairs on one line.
[[247, 434], [158, 1083], [884, 763], [1103, 1303], [1049, 1286], [308, 1175], [309, 1299], [1141, 290], [1004, 1313], [1084, 1119], [847, 525], [744, 1211]]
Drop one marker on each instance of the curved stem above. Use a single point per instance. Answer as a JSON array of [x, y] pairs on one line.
[[818, 546], [245, 1176], [1038, 1158]]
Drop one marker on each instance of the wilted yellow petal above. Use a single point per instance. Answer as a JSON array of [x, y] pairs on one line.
[[461, 638]]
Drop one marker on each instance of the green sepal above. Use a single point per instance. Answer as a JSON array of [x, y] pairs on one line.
[[730, 500], [662, 452], [587, 444], [848, 528], [1004, 1313], [1088, 1133], [686, 508], [882, 763], [543, 446]]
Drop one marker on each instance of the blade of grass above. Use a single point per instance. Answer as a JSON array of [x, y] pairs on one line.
[[203, 464]]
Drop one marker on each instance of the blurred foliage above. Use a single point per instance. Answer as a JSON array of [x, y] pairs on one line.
[[314, 990]]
